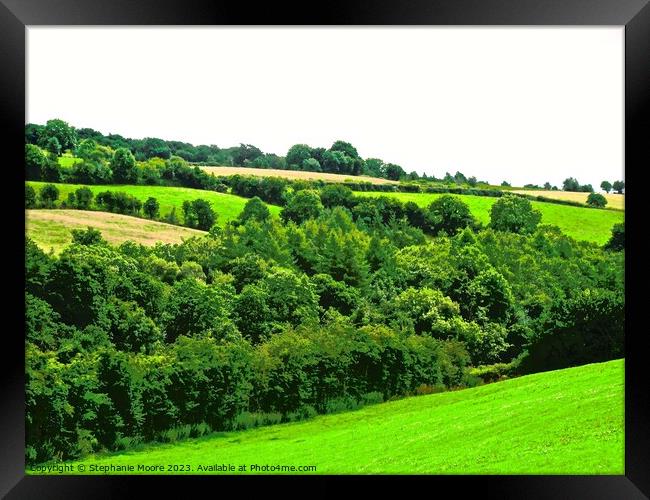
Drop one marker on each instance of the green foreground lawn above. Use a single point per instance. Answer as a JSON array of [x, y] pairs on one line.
[[227, 206], [587, 224], [562, 422]]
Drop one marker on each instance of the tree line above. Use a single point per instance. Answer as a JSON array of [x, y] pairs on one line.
[[57, 136], [572, 184]]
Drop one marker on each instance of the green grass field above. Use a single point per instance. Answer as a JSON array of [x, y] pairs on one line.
[[227, 206], [68, 160], [562, 422], [587, 224]]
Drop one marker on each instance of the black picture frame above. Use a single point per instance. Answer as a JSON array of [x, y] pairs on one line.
[[15, 15]]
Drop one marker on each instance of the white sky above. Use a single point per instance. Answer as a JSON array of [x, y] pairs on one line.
[[527, 105]]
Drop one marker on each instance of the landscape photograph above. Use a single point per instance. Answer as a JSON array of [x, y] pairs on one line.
[[324, 251]]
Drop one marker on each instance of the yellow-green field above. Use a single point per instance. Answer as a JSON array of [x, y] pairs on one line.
[[561, 422], [51, 229], [227, 206], [295, 174], [614, 200], [587, 224], [67, 160]]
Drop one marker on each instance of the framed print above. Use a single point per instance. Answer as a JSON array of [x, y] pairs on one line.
[[347, 243]]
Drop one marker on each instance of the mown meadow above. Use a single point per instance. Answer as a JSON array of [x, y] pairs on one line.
[[586, 224], [226, 206], [567, 421], [51, 229]]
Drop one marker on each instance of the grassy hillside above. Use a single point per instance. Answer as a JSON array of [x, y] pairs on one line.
[[580, 223], [50, 229], [294, 174], [562, 422], [227, 206], [614, 200]]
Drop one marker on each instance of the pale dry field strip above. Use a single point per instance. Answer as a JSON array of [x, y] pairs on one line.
[[294, 174], [613, 200], [51, 228]]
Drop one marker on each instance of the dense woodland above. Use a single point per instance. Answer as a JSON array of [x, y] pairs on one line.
[[339, 302]]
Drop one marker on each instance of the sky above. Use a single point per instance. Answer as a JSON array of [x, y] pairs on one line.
[[526, 105]]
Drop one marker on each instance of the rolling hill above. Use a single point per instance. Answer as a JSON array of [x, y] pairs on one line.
[[560, 422], [295, 174], [614, 200], [227, 206], [588, 224], [50, 229]]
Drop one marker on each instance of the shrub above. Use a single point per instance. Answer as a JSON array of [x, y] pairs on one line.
[[596, 200], [305, 412], [337, 195], [171, 217], [124, 443], [89, 236], [83, 197], [248, 420], [372, 398], [151, 208], [617, 240], [49, 194], [30, 196], [424, 389], [90, 172], [198, 214], [492, 373], [118, 202], [340, 404]]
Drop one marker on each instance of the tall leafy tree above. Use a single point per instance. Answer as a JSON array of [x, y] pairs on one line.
[[245, 153], [570, 184], [394, 172], [53, 145], [153, 147], [515, 214], [123, 167], [35, 162], [33, 133], [303, 205], [449, 214], [65, 134], [297, 154], [151, 208], [255, 209], [199, 214]]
